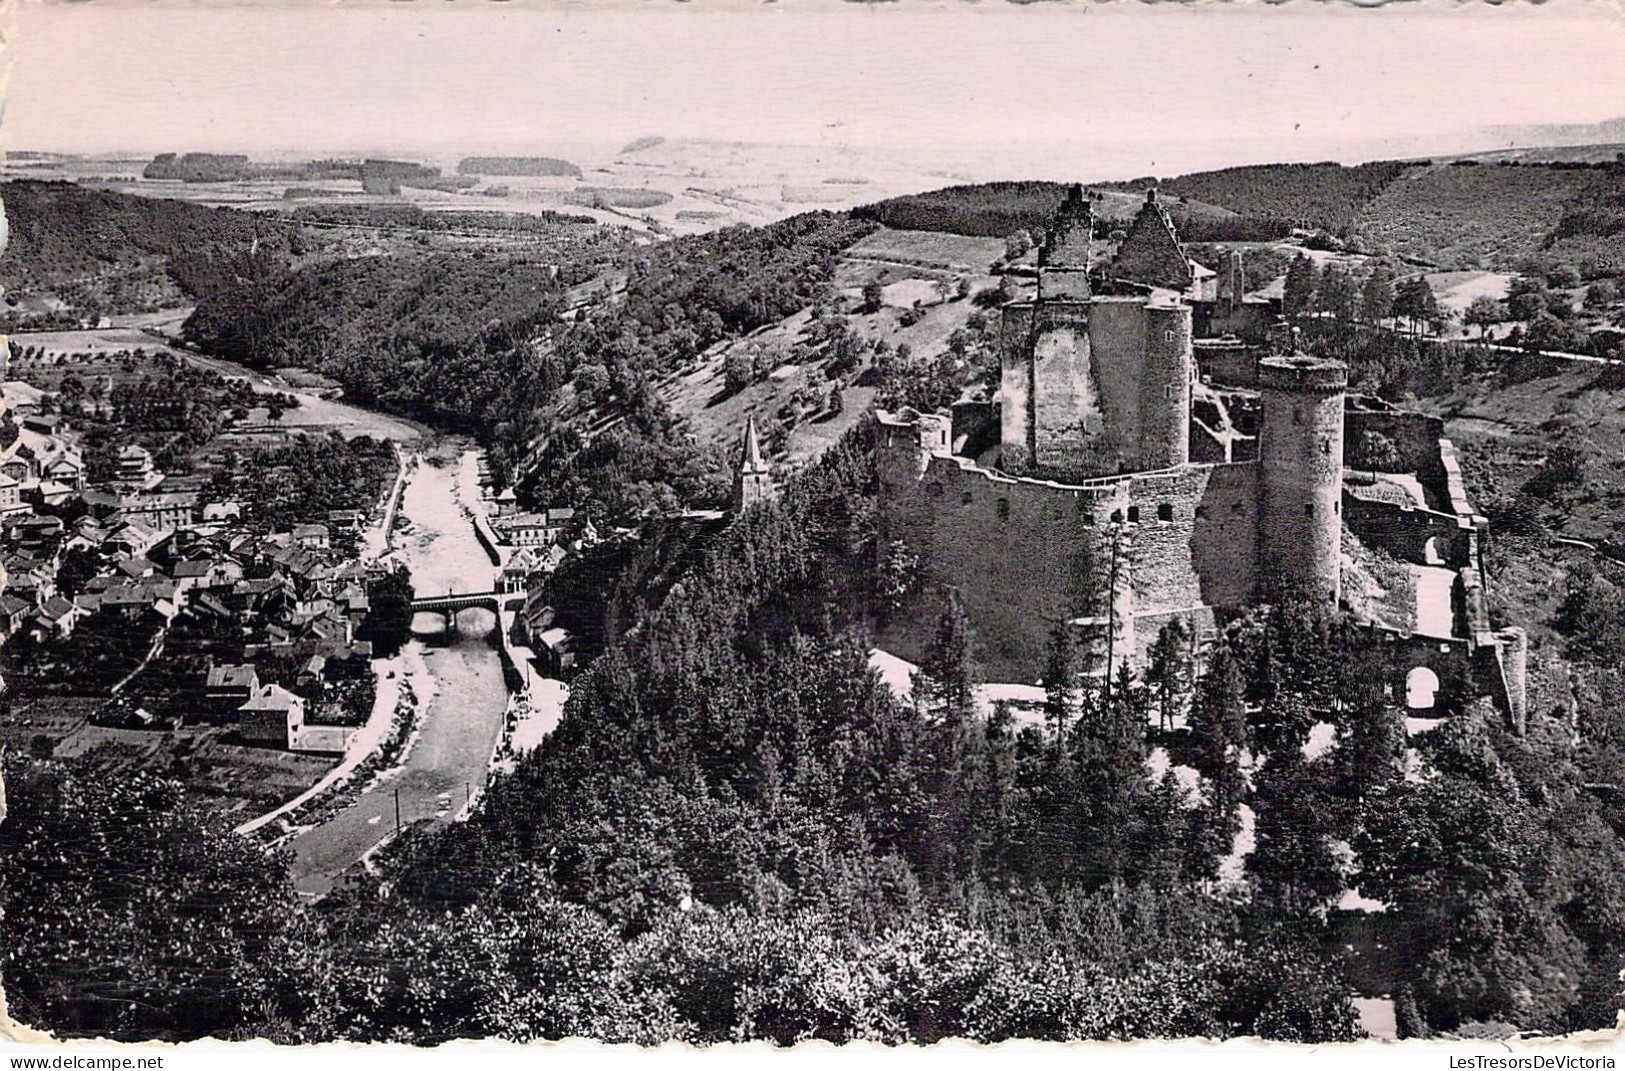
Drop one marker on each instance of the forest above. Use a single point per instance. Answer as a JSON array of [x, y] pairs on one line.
[[998, 209], [473, 343], [101, 252], [1326, 196], [738, 831]]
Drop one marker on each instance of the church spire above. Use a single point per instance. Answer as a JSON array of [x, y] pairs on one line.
[[753, 480], [750, 452]]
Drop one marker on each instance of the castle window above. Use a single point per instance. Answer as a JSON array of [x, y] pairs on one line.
[[1337, 507], [1308, 509], [1326, 447], [966, 499], [1168, 335], [1297, 415], [1134, 515], [1201, 512], [1004, 509], [1168, 392], [1165, 512], [1117, 516], [1236, 507]]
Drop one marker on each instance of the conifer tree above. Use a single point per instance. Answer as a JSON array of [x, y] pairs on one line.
[[1377, 294], [949, 669], [1060, 682], [1168, 673], [1301, 280]]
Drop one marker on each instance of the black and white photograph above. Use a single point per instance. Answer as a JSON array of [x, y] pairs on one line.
[[764, 523]]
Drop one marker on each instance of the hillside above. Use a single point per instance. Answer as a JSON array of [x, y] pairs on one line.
[[1457, 216], [77, 254], [1511, 425], [1327, 196], [1474, 216], [423, 336]]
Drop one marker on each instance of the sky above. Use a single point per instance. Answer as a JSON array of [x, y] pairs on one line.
[[1298, 81]]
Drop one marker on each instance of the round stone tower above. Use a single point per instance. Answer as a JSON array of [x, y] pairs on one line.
[[1300, 477], [1165, 387]]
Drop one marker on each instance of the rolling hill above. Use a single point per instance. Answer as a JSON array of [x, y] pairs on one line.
[[1456, 215]]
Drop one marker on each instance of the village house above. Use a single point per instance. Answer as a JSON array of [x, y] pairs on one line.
[[30, 579], [532, 529], [22, 399], [312, 536], [34, 533], [66, 468], [269, 716], [556, 651], [131, 599], [14, 614], [160, 512], [527, 566], [56, 618], [535, 617], [230, 686], [135, 467], [11, 491], [133, 539]]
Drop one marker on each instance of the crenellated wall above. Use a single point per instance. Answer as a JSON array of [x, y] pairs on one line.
[[1415, 437], [1406, 531]]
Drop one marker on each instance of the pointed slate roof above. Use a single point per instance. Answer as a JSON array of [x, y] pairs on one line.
[[1151, 254], [750, 452]]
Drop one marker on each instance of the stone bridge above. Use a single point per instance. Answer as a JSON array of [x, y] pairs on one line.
[[450, 604]]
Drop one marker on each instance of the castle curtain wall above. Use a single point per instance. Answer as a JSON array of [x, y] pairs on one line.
[[1028, 555]]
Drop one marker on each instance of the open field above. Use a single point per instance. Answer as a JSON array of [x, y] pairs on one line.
[[676, 186], [929, 249]]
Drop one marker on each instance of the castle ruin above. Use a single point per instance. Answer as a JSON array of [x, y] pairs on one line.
[[1131, 472]]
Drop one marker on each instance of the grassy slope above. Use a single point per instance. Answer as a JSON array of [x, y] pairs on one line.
[[1506, 426], [891, 257], [1317, 195]]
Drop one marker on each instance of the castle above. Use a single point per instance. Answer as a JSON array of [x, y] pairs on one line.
[[1147, 460]]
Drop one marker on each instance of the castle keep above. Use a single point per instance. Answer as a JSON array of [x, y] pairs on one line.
[[1130, 473]]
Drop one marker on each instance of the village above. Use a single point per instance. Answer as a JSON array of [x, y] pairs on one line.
[[197, 583]]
